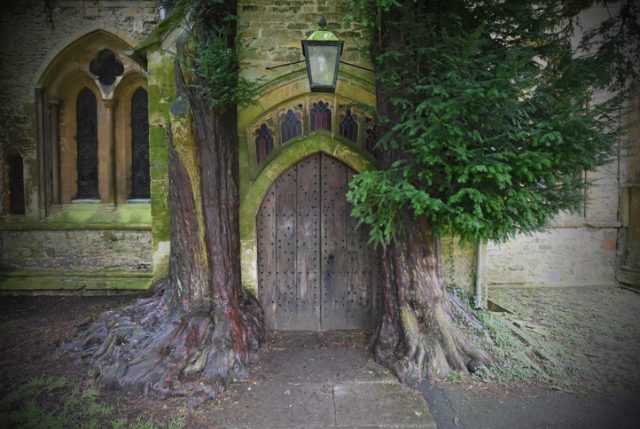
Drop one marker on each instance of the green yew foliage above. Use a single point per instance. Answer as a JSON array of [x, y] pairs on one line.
[[491, 114], [215, 59]]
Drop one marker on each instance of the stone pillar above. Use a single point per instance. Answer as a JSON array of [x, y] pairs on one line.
[[109, 152], [41, 185]]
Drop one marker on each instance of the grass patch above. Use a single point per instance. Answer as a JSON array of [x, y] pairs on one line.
[[56, 402], [53, 402], [455, 376], [514, 359]]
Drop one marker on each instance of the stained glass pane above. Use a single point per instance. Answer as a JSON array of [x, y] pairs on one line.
[[348, 127], [370, 140], [264, 142], [291, 126], [140, 180], [87, 138], [320, 116]]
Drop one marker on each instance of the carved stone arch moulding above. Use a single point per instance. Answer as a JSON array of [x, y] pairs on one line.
[[131, 139], [63, 139], [290, 154], [330, 114], [95, 61]]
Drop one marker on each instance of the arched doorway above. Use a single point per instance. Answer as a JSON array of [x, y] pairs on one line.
[[315, 268]]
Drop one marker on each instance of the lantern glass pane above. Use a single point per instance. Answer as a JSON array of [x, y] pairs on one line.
[[322, 62]]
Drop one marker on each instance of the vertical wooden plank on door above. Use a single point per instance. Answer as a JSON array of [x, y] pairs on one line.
[[358, 310], [308, 243], [266, 242], [315, 268], [286, 249], [334, 243]]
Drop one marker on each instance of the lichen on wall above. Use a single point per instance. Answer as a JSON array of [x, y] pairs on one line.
[[77, 245]]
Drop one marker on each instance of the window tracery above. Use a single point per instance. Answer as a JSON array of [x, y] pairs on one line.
[[320, 116], [290, 126], [87, 144], [264, 142], [348, 127], [95, 133], [304, 116], [140, 180]]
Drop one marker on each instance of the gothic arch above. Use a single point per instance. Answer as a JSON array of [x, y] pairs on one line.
[[288, 156], [94, 60], [61, 57]]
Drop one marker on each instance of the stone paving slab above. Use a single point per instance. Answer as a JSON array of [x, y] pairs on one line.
[[322, 365], [276, 405], [380, 405], [352, 405], [320, 381]]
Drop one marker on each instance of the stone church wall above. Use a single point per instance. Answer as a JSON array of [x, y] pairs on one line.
[[579, 249], [575, 250], [28, 43], [35, 251]]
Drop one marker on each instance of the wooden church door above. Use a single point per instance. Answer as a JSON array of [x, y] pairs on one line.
[[315, 268]]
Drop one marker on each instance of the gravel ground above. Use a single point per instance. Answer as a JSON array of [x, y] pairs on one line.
[[588, 338]]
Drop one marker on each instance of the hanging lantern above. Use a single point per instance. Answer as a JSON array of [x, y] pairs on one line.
[[322, 52]]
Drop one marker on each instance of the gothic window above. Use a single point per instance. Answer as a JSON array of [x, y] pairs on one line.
[[16, 184], [264, 142], [106, 67], [348, 127], [94, 139], [87, 144], [291, 126], [320, 116], [139, 145], [370, 140]]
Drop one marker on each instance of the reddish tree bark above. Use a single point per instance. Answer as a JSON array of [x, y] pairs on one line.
[[417, 336], [200, 329]]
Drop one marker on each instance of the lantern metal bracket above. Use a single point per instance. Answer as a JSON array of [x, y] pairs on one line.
[[356, 66], [283, 65], [302, 61]]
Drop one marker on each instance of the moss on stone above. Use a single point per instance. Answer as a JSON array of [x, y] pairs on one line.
[[252, 194], [89, 216], [74, 280], [160, 33]]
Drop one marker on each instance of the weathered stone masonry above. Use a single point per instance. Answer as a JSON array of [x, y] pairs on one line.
[[103, 246], [111, 245]]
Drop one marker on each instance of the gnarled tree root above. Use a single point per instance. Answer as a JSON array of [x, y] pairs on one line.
[[419, 335], [415, 348], [147, 348]]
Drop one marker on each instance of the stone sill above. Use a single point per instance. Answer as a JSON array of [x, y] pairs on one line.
[[84, 215], [34, 225], [48, 281]]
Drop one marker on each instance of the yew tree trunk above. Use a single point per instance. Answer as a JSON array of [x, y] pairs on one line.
[[418, 336], [200, 329]]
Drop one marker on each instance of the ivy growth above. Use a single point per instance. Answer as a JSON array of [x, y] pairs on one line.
[[215, 59]]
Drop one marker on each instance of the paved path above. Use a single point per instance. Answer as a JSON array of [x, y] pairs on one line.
[[320, 381]]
